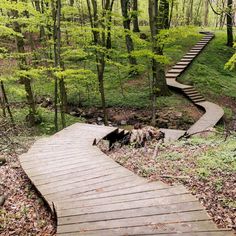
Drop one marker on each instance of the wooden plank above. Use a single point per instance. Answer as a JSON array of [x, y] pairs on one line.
[[40, 178], [75, 174], [124, 191], [125, 198], [46, 166], [168, 200], [179, 230], [137, 221], [80, 177], [130, 213], [68, 167], [75, 191], [107, 176]]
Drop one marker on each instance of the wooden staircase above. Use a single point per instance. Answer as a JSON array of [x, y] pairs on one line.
[[213, 112]]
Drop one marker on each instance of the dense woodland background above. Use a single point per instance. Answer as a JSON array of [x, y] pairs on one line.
[[87, 53]]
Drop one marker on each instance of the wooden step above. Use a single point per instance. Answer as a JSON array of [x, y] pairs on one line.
[[186, 60], [197, 51], [193, 92], [189, 89], [197, 48], [175, 71], [201, 44], [179, 67], [185, 63], [172, 75], [198, 96], [191, 54], [198, 100]]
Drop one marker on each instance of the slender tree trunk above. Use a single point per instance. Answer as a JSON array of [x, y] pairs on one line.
[[229, 20], [63, 106], [135, 17], [189, 13], [2, 102], [163, 22], [72, 3], [206, 12], [59, 84], [22, 65], [126, 24], [6, 103], [171, 12], [54, 16], [159, 86], [100, 40], [108, 43]]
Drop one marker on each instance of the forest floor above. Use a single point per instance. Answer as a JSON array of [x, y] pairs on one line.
[[205, 165], [23, 211]]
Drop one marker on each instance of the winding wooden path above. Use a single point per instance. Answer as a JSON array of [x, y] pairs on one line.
[[213, 112], [92, 195]]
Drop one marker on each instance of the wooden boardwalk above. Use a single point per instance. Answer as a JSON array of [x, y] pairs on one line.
[[213, 112], [93, 195]]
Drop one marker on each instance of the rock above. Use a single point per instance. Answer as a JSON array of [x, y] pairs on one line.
[[46, 102], [73, 113], [178, 114], [2, 160], [99, 119], [2, 200], [15, 166], [123, 122]]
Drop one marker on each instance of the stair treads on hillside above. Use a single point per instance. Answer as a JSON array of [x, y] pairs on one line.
[[213, 112]]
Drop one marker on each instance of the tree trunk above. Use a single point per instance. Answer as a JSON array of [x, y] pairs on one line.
[[171, 12], [59, 84], [126, 24], [2, 102], [108, 43], [100, 40], [22, 65], [6, 103], [100, 68], [229, 20], [63, 107], [159, 86], [164, 14], [135, 17], [189, 13], [206, 12]]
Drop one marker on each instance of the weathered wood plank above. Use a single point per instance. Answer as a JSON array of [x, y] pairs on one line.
[[136, 221], [130, 213]]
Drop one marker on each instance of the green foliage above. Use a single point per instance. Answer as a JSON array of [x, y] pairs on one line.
[[220, 158], [46, 126], [231, 64], [207, 72]]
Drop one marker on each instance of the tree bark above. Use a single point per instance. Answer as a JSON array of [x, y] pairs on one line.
[[164, 14], [126, 24], [23, 66], [135, 17], [6, 103], [189, 13], [229, 20], [159, 86], [108, 43], [206, 12], [100, 40]]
